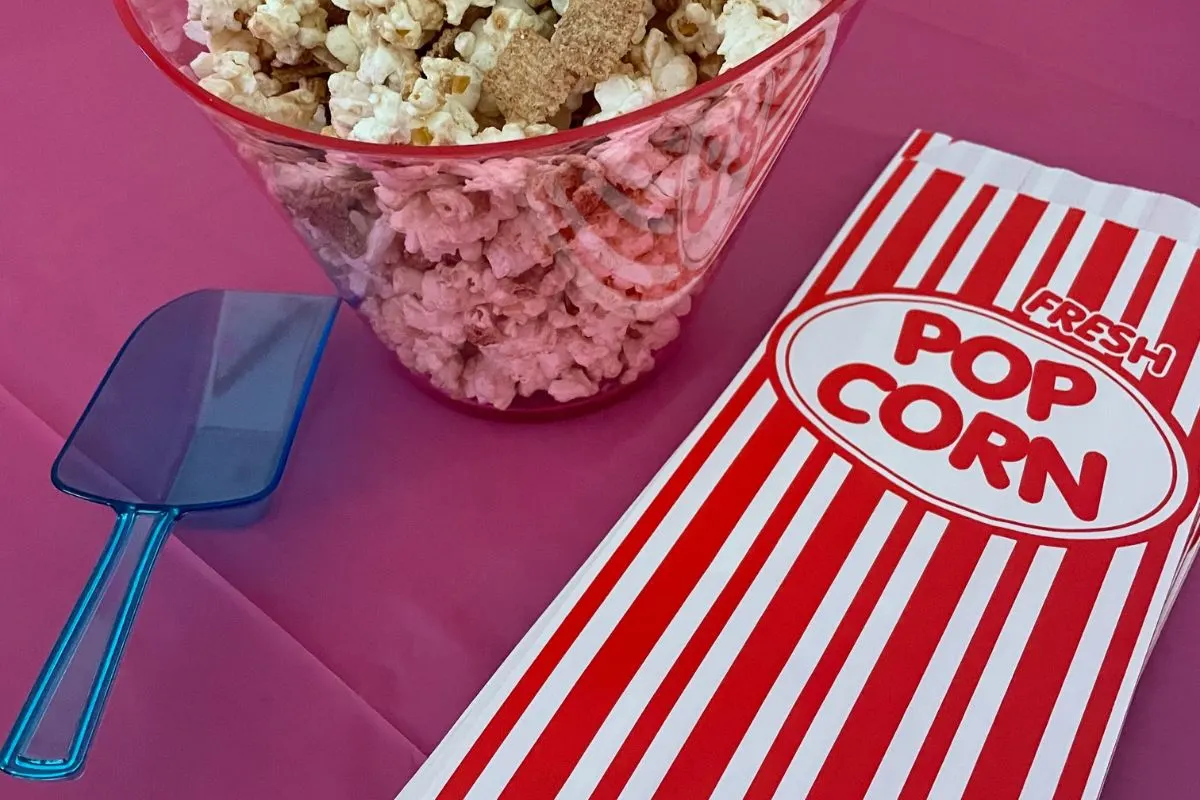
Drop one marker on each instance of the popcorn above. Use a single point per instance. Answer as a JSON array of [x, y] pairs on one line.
[[233, 76], [342, 44], [529, 65], [454, 81], [794, 12], [648, 12], [291, 28], [620, 95], [512, 132], [382, 64], [695, 28], [746, 33], [670, 70], [456, 8], [558, 275], [221, 15]]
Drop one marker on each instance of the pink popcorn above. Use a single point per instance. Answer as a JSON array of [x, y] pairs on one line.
[[514, 277], [575, 384], [488, 382], [629, 159], [441, 361], [445, 222], [519, 245]]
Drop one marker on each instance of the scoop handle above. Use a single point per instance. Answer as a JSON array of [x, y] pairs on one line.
[[52, 735]]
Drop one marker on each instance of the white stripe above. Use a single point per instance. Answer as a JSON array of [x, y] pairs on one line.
[[1047, 767], [927, 700], [882, 227], [1072, 260], [1040, 182], [1187, 402], [438, 768], [1189, 394], [1163, 300], [708, 676], [1166, 293], [1134, 671], [978, 239], [936, 238], [828, 722], [1039, 242], [625, 712], [1127, 277], [1134, 210], [993, 683], [773, 712], [531, 724]]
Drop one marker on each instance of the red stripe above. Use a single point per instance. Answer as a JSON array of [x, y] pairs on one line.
[[1012, 743], [837, 263], [954, 705], [954, 243], [1102, 264], [724, 722], [1054, 253], [860, 489], [912, 227], [1003, 249], [1100, 703], [1181, 331], [917, 144], [863, 740], [800, 717], [1148, 281], [553, 756], [531, 682]]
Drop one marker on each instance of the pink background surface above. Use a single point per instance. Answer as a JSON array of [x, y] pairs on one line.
[[321, 653]]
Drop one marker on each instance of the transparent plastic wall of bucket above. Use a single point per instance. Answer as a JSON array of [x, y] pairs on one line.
[[534, 276]]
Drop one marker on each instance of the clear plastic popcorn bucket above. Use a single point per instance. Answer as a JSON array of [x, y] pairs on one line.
[[530, 277]]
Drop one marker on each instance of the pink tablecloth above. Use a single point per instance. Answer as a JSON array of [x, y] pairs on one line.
[[321, 653]]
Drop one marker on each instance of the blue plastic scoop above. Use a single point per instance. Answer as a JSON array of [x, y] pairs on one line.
[[197, 414]]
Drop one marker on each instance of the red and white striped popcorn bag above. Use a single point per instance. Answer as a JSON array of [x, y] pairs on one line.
[[920, 548]]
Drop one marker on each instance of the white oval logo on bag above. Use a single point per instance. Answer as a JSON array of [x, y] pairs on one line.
[[988, 419]]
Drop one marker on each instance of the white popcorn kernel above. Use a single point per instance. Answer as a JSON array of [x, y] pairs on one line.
[[382, 64], [341, 44], [513, 131], [221, 15], [620, 95], [794, 12], [388, 120], [456, 8], [409, 23], [455, 81], [234, 77], [349, 102], [695, 28], [291, 27], [648, 12], [746, 33], [464, 44], [226, 41]]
